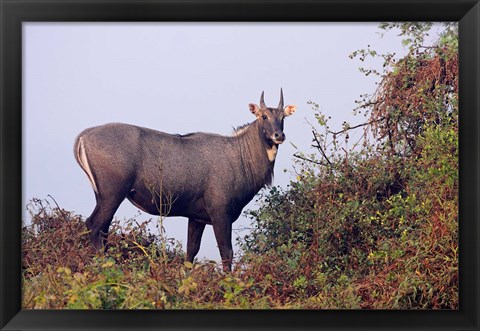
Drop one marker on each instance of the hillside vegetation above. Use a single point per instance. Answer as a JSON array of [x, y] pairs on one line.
[[371, 223]]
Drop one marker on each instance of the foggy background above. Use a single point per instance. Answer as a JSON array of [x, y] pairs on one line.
[[181, 78]]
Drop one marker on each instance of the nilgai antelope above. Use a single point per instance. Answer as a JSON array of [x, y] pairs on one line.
[[206, 177]]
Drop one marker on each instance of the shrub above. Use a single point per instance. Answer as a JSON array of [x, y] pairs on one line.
[[374, 225]]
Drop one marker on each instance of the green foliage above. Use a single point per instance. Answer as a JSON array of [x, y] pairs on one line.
[[414, 32]]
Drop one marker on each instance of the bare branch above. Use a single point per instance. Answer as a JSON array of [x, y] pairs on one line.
[[320, 147], [368, 104], [308, 160], [357, 126]]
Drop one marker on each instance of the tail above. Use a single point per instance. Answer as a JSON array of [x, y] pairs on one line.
[[82, 159]]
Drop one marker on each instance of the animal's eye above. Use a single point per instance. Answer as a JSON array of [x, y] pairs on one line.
[[264, 117]]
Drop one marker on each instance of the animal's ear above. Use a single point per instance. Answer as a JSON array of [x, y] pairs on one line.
[[289, 110], [254, 109]]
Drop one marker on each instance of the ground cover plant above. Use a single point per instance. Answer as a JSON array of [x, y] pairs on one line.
[[371, 223]]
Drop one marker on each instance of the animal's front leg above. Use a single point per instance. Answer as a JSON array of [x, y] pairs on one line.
[[195, 231], [222, 227]]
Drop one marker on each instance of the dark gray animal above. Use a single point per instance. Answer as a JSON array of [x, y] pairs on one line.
[[206, 177]]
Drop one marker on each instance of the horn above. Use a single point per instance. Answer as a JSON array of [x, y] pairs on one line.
[[262, 102], [280, 104]]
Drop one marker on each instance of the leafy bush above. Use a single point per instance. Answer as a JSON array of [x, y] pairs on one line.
[[375, 225], [140, 270]]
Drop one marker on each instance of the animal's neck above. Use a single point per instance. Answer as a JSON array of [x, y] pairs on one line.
[[256, 155]]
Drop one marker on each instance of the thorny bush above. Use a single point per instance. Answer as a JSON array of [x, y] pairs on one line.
[[374, 225]]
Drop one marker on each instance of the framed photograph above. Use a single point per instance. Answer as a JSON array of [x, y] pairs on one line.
[[318, 163]]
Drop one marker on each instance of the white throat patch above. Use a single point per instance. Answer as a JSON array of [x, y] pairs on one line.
[[272, 153]]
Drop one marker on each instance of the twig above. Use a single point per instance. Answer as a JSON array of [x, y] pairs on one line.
[[63, 214], [368, 104], [356, 126], [241, 229], [320, 147], [307, 159]]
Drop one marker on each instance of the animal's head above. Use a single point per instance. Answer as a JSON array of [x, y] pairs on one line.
[[271, 119]]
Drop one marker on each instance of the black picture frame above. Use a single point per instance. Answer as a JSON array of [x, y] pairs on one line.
[[14, 12]]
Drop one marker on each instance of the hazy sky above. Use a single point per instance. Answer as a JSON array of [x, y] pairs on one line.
[[179, 78]]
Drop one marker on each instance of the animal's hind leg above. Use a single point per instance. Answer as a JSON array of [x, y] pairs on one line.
[[101, 217], [195, 231]]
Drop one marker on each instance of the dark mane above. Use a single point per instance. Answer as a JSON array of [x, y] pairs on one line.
[[243, 126], [257, 168], [184, 135], [239, 129]]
